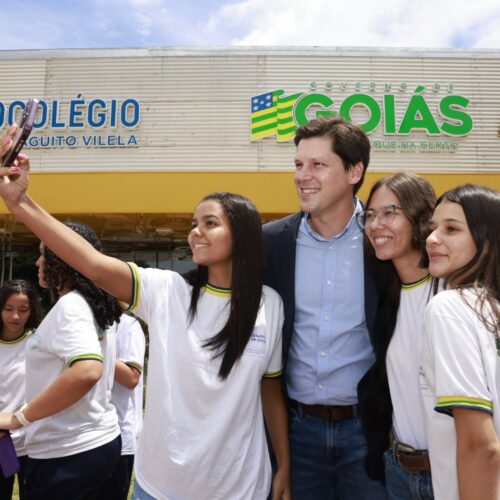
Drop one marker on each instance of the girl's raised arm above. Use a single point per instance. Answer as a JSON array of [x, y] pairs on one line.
[[109, 273]]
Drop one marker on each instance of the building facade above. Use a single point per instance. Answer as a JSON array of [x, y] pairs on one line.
[[129, 140]]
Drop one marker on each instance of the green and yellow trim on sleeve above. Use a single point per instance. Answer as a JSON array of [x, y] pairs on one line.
[[445, 404], [275, 374], [219, 292], [135, 366], [15, 341], [84, 357], [136, 286]]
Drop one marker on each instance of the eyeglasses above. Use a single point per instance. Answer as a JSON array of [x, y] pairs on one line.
[[385, 215]]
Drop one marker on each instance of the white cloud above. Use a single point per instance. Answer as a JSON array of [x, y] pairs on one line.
[[136, 23], [403, 23]]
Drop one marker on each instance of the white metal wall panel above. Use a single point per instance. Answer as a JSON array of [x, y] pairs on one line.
[[195, 104]]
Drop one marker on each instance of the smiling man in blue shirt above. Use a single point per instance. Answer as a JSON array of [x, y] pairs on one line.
[[315, 260]]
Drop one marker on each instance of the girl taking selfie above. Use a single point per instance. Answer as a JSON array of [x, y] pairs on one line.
[[215, 350]]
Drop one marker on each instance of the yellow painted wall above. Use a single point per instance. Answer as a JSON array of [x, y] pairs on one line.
[[178, 192]]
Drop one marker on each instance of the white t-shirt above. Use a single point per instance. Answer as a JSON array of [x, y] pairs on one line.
[[403, 363], [131, 346], [461, 369], [66, 335], [12, 356], [203, 437]]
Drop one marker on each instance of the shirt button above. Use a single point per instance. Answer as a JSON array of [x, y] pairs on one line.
[[328, 282], [327, 318], [320, 386], [322, 354], [330, 247]]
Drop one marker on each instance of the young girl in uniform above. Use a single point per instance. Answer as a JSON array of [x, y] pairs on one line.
[[461, 355], [395, 222], [20, 314], [72, 433], [215, 351]]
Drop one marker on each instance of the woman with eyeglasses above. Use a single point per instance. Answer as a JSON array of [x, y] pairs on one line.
[[461, 353], [395, 223]]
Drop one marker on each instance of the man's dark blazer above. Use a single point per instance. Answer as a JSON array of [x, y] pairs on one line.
[[280, 250]]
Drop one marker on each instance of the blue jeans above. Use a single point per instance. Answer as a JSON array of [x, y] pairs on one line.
[[328, 460], [404, 485], [140, 494]]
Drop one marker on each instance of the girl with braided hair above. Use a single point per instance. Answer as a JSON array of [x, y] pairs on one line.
[[72, 433]]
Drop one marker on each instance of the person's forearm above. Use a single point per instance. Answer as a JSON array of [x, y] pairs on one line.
[[65, 391], [62, 240], [126, 375], [276, 416], [107, 272], [479, 472], [478, 454]]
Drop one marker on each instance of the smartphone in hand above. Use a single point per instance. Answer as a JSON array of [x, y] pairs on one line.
[[9, 463], [22, 133]]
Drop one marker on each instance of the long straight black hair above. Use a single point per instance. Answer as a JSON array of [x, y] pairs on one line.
[[246, 279]]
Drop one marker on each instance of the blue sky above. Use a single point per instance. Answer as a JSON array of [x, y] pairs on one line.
[[39, 24]]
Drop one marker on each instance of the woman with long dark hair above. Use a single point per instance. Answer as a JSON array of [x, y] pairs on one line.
[[72, 432], [215, 351], [461, 355], [20, 315], [395, 223]]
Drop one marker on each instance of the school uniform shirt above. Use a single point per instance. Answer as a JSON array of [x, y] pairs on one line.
[[403, 363], [203, 437], [69, 334], [130, 345], [12, 355], [461, 369]]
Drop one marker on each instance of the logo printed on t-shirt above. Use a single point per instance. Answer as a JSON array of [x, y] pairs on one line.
[[257, 342]]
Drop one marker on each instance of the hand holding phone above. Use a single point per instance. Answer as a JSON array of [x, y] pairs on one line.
[[22, 133]]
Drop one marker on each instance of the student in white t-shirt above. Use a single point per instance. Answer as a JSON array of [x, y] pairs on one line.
[[127, 396], [20, 313], [72, 435], [395, 222], [215, 350], [461, 355]]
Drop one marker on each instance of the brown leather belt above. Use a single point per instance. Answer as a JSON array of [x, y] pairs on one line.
[[411, 459], [332, 413]]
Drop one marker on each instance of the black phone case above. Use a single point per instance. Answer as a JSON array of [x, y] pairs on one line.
[[24, 131]]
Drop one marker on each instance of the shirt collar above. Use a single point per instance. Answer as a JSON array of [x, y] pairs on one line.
[[351, 225]]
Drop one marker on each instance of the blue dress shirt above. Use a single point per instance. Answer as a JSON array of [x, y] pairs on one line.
[[330, 348]]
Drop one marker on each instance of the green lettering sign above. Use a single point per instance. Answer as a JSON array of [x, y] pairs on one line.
[[368, 102], [309, 100], [448, 109], [418, 116]]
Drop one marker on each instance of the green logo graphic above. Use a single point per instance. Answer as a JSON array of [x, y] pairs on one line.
[[275, 114]]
